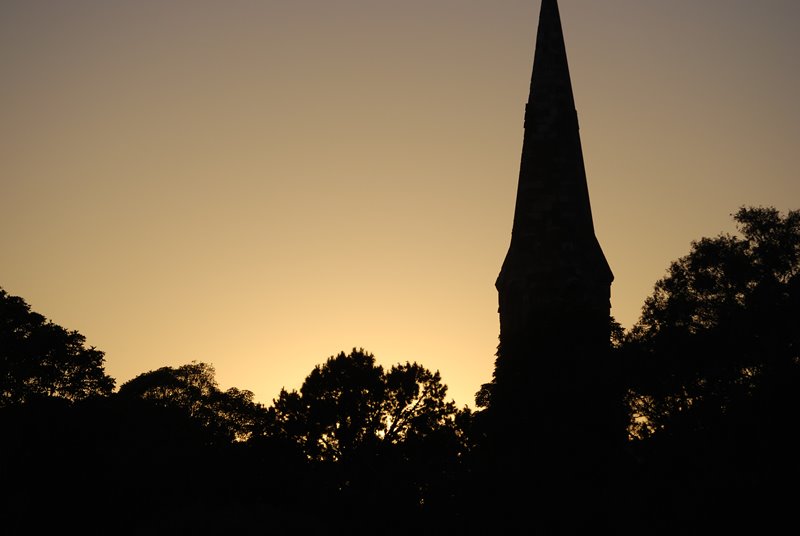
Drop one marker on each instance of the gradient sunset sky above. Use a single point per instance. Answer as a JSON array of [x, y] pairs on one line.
[[262, 184]]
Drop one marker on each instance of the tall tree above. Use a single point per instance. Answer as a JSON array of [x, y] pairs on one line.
[[721, 327], [377, 440], [41, 359]]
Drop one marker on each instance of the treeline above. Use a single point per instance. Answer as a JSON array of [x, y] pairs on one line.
[[712, 379], [356, 448], [708, 381]]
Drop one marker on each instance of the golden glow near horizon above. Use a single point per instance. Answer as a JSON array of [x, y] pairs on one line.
[[260, 185]]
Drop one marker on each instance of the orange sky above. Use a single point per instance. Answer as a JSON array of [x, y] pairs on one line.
[[261, 184]]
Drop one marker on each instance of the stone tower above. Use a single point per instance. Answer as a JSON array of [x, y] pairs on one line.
[[554, 285], [553, 410]]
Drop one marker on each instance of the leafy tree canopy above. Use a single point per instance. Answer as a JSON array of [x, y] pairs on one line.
[[349, 404], [41, 359], [193, 389], [721, 327]]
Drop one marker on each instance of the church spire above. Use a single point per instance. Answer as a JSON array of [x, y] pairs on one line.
[[554, 262], [551, 87], [553, 403]]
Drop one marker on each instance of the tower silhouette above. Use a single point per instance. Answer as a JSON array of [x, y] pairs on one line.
[[554, 285], [555, 272], [552, 402]]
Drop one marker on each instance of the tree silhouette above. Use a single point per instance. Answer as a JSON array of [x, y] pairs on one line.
[[41, 359], [192, 388], [350, 403], [721, 327], [714, 384], [377, 440]]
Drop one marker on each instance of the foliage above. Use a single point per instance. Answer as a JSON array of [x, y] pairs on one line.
[[351, 404], [721, 328], [192, 388], [375, 438], [41, 359]]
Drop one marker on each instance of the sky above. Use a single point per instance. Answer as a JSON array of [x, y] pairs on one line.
[[262, 184]]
